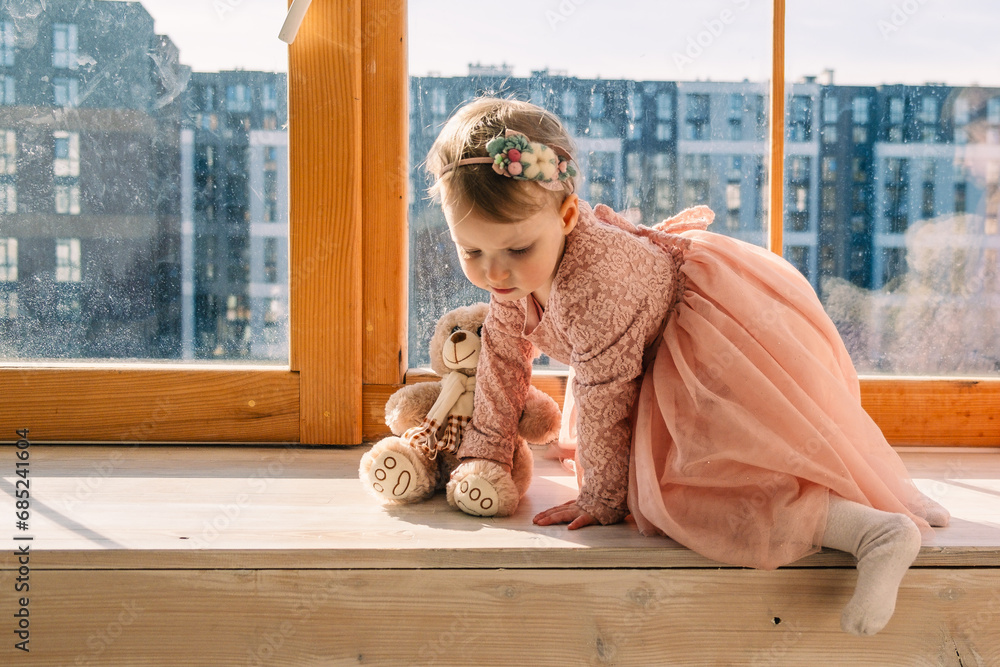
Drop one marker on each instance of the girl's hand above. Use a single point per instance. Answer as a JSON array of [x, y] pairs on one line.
[[570, 513]]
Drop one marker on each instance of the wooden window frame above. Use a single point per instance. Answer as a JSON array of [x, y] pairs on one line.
[[348, 284]]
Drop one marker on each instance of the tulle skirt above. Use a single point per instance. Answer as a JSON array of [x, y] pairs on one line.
[[749, 415]]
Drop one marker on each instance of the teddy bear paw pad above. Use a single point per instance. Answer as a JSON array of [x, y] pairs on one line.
[[475, 496], [391, 475]]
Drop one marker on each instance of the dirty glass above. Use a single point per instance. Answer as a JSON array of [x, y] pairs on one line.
[[667, 104], [143, 181], [892, 179]]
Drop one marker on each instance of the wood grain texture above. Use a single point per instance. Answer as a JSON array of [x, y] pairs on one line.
[[385, 185], [934, 411], [776, 182], [530, 617], [325, 154], [144, 404], [910, 411], [129, 507]]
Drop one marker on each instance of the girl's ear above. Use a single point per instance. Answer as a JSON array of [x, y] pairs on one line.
[[569, 211]]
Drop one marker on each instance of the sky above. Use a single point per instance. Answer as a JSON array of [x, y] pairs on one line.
[[862, 41]]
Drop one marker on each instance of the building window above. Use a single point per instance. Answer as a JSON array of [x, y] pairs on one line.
[[860, 134], [733, 206], [597, 105], [8, 43], [8, 152], [800, 119], [68, 261], [634, 119], [8, 260], [829, 169], [439, 102], [270, 184], [830, 110], [67, 198], [993, 111], [66, 160], [928, 109], [895, 110], [798, 256], [664, 192], [829, 134], [927, 202], [65, 92], [270, 260], [569, 103], [735, 172], [698, 107], [269, 97], [801, 194], [896, 194], [275, 313], [859, 170], [828, 199], [961, 111], [859, 110], [64, 46], [238, 99], [7, 90], [8, 274], [8, 198], [664, 106], [799, 168], [961, 193], [735, 107]]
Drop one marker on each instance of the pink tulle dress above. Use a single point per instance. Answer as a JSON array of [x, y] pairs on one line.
[[749, 413]]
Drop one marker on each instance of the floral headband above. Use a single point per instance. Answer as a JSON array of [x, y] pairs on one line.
[[514, 156]]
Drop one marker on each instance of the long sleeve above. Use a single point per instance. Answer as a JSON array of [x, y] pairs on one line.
[[606, 385], [502, 380]]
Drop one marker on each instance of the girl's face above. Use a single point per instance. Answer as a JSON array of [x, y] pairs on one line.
[[512, 259]]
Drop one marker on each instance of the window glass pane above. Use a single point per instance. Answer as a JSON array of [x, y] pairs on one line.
[[667, 104], [143, 181], [899, 231]]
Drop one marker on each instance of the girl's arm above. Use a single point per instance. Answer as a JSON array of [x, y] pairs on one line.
[[502, 380]]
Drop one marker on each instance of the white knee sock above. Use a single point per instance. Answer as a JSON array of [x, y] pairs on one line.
[[885, 545], [932, 511]]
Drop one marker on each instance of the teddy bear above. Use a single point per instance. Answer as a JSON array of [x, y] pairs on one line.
[[427, 420]]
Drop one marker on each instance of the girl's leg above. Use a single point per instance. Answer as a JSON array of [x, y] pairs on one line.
[[885, 545]]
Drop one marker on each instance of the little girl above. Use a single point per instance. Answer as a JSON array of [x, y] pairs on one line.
[[711, 396]]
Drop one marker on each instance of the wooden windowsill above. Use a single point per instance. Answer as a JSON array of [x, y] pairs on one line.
[[273, 507]]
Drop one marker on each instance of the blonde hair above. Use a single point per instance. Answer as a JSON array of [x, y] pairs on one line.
[[466, 134]]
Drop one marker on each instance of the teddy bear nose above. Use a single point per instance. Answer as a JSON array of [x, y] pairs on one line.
[[458, 337]]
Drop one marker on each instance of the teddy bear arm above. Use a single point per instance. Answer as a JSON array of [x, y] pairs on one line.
[[541, 418], [408, 406]]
